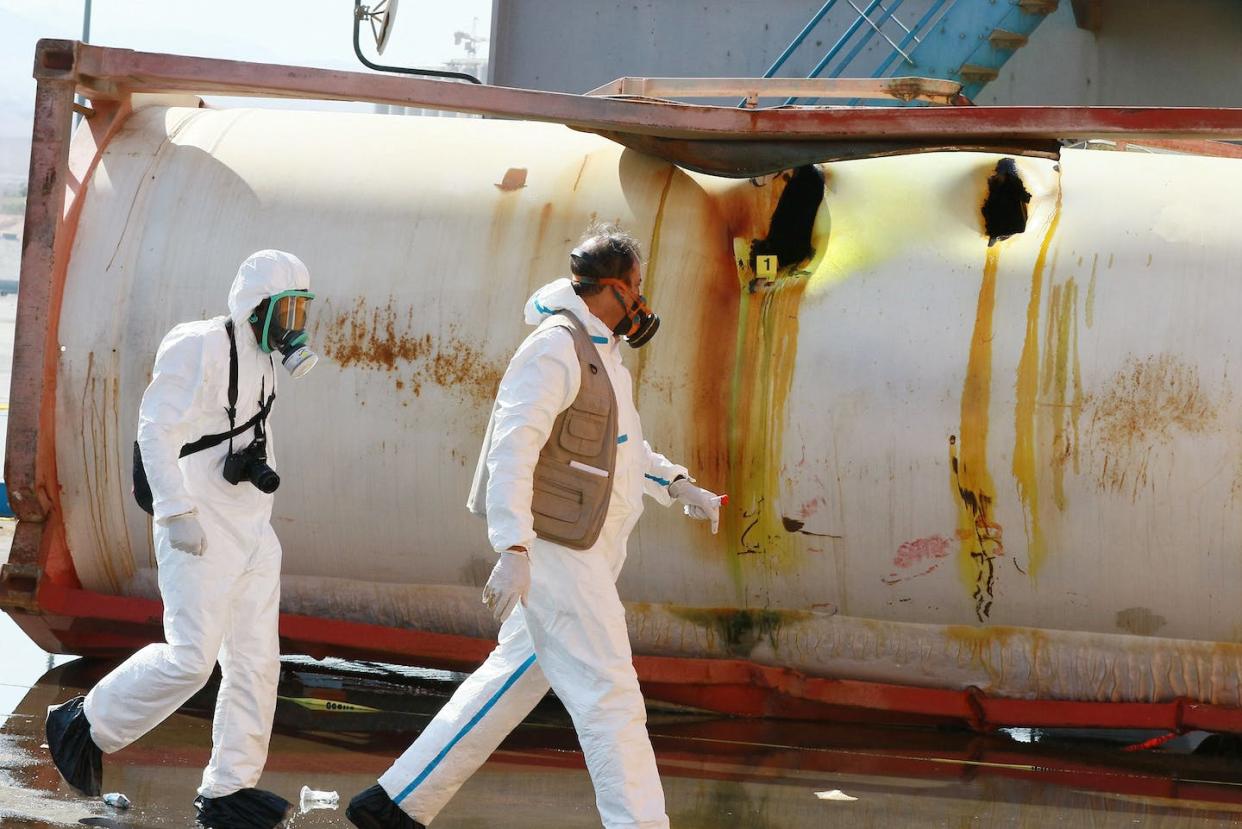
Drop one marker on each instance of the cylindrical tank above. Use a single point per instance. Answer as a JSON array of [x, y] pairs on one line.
[[952, 460]]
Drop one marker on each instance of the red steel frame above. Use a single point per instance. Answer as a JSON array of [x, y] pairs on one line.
[[38, 585], [112, 73]]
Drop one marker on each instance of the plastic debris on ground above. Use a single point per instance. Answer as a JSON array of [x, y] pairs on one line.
[[116, 800], [834, 794], [312, 799]]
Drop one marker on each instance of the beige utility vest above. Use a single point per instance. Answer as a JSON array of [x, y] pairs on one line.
[[573, 478]]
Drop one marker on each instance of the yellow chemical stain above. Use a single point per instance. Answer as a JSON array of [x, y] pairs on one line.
[[978, 532], [849, 254], [767, 342], [1025, 471], [761, 370], [876, 229], [1079, 399], [650, 273], [657, 224], [1061, 386], [1095, 262]]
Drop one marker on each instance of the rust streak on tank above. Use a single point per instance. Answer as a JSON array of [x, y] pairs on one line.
[[987, 647], [459, 365], [541, 229], [718, 303], [1148, 402], [369, 338]]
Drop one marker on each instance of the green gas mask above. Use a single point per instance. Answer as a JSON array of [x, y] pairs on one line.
[[279, 324]]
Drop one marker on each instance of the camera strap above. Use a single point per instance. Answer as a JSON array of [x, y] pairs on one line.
[[260, 417]]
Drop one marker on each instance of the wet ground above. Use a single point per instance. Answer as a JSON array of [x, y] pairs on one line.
[[339, 724]]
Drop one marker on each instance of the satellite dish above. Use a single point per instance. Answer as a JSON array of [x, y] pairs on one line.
[[380, 16]]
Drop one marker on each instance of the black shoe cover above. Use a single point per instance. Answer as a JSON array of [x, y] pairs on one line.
[[374, 809], [75, 754], [243, 809]]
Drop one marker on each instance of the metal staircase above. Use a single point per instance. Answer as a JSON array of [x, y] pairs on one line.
[[962, 40]]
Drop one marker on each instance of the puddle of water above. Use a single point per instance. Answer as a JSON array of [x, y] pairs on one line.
[[24, 663], [716, 772]]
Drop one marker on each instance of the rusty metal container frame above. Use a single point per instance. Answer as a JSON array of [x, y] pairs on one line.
[[38, 582]]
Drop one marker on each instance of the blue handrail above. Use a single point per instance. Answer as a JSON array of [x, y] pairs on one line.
[[836, 47], [886, 13], [866, 38], [930, 48], [796, 42], [905, 41]]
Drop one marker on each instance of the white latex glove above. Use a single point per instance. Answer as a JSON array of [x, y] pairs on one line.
[[508, 584], [699, 503], [186, 534]]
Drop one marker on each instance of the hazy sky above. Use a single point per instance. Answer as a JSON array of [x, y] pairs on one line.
[[303, 32]]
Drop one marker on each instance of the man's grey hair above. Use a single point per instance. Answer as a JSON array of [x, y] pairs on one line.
[[604, 252]]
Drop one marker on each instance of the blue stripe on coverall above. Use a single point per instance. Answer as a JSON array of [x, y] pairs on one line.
[[546, 311], [487, 706]]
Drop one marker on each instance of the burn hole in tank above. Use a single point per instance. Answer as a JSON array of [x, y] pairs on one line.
[[789, 232], [1004, 209]]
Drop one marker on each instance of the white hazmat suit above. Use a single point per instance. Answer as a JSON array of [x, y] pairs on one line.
[[224, 603], [570, 634]]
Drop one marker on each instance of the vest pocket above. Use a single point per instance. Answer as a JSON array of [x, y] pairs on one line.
[[586, 426], [556, 500]]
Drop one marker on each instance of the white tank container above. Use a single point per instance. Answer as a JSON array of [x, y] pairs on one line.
[[1013, 466]]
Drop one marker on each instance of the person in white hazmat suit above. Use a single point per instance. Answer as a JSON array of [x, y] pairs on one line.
[[206, 448], [563, 622]]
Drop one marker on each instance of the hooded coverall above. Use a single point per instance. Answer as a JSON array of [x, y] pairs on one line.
[[224, 604], [570, 634]]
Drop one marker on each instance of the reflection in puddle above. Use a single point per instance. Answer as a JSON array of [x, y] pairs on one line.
[[339, 724]]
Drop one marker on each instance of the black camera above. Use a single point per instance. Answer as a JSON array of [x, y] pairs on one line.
[[250, 464]]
